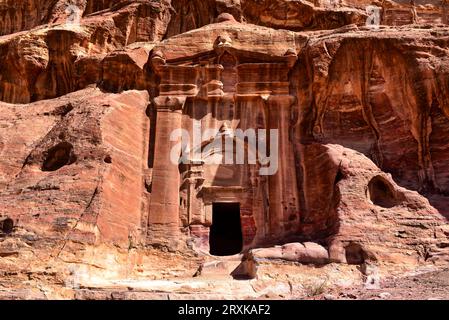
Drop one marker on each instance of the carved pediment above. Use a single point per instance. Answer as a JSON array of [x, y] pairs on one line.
[[223, 70]]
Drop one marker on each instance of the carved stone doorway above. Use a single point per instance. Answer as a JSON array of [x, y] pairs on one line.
[[225, 237]]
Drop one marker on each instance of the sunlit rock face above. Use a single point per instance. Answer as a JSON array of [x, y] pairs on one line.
[[97, 98], [323, 93]]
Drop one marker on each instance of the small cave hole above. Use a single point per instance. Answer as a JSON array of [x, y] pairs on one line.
[[7, 225], [354, 254], [381, 193], [58, 157], [108, 159]]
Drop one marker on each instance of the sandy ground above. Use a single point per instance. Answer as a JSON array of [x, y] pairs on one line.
[[102, 273]]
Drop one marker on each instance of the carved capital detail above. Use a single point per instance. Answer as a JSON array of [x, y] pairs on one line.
[[169, 103]]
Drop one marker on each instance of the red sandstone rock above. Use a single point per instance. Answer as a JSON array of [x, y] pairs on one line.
[[75, 154], [308, 252]]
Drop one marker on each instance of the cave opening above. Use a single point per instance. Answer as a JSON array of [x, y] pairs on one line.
[[58, 157], [226, 236], [380, 193], [354, 254], [7, 225]]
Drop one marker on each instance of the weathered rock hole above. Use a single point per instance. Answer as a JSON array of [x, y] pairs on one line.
[[7, 225], [58, 157], [380, 193], [354, 254], [108, 159]]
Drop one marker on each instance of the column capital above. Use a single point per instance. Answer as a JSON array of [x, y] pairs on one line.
[[286, 100], [171, 103]]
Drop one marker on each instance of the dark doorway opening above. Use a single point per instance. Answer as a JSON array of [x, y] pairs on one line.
[[226, 237]]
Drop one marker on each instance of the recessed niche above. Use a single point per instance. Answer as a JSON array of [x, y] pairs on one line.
[[381, 193], [59, 156]]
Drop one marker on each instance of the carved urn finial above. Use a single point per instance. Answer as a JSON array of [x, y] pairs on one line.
[[225, 17]]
